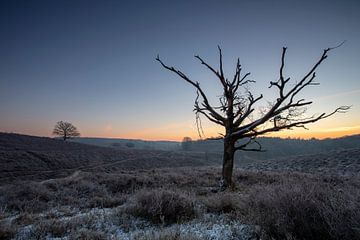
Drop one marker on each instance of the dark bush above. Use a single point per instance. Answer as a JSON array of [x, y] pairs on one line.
[[106, 201], [162, 206], [57, 228], [7, 232], [306, 210], [130, 144], [29, 197], [221, 203], [85, 234]]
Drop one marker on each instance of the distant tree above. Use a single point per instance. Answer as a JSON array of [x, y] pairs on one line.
[[65, 130], [236, 111], [130, 144], [186, 143], [116, 144]]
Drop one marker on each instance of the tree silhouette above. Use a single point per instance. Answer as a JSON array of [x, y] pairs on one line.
[[236, 112], [65, 130], [186, 143]]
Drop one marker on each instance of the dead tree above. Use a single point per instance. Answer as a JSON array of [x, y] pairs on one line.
[[236, 112], [65, 130]]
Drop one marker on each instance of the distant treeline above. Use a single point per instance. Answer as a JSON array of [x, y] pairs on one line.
[[274, 147], [130, 143], [279, 147]]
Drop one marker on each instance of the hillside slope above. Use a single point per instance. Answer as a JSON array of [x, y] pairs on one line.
[[29, 157], [274, 147], [38, 158], [342, 162]]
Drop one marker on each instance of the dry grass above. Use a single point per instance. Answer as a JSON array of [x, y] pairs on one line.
[[305, 210], [162, 206], [29, 197], [222, 202], [164, 234], [7, 232], [104, 197], [284, 205], [87, 234]]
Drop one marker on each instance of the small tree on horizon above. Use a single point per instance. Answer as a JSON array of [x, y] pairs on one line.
[[186, 144], [65, 130], [236, 111]]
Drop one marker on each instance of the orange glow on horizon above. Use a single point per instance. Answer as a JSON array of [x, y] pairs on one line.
[[304, 134], [317, 135], [177, 131]]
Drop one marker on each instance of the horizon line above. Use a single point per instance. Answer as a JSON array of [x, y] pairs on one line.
[[180, 140]]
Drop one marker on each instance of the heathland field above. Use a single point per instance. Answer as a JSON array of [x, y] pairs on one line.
[[52, 189]]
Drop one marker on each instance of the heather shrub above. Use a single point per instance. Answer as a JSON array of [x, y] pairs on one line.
[[164, 234], [162, 206], [3, 208], [123, 183], [221, 202], [57, 228], [83, 188], [29, 197], [306, 210], [78, 192], [7, 232], [106, 201], [45, 228], [88, 234], [23, 218], [127, 222]]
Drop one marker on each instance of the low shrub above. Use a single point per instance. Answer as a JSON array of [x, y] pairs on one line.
[[306, 210], [88, 234], [221, 202], [29, 197], [106, 201], [162, 206], [53, 228], [164, 234], [7, 232], [24, 218]]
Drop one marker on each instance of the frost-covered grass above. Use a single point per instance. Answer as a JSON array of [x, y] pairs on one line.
[[105, 224], [181, 204]]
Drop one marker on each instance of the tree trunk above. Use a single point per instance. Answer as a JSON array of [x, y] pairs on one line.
[[228, 164]]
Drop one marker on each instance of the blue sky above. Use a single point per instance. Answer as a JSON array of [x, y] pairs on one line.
[[93, 62]]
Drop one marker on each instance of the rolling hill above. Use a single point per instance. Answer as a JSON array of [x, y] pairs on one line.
[[32, 158], [25, 157], [275, 147], [49, 187], [345, 162]]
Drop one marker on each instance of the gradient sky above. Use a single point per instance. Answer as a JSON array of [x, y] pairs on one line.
[[92, 63]]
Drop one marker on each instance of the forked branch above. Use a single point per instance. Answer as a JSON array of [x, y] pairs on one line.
[[286, 100], [206, 103], [235, 108]]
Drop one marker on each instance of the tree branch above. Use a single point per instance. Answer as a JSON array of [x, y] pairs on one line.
[[251, 140], [275, 128], [219, 75], [276, 109], [248, 111], [209, 108]]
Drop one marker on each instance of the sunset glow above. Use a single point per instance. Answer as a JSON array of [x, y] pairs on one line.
[[93, 64]]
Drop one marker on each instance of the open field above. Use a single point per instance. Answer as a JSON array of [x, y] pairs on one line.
[[76, 191], [182, 204], [37, 158]]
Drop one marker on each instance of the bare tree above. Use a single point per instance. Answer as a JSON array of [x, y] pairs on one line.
[[186, 144], [65, 130], [236, 112]]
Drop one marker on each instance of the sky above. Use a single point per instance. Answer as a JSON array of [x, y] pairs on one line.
[[92, 63]]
